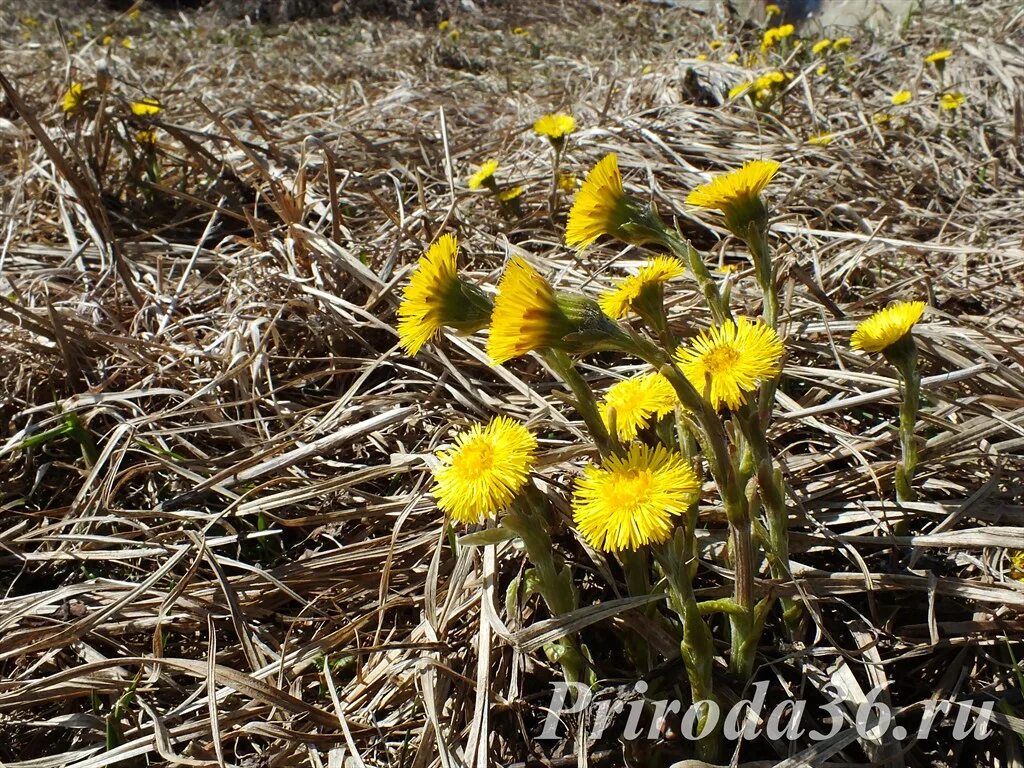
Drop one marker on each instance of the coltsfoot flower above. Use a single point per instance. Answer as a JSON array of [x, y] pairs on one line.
[[737, 195], [146, 107], [631, 501], [952, 100], [938, 57], [555, 126], [901, 97], [73, 98], [484, 175], [436, 297], [727, 361], [484, 470], [887, 326], [617, 302], [635, 401]]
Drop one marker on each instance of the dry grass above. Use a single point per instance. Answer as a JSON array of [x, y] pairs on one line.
[[229, 555]]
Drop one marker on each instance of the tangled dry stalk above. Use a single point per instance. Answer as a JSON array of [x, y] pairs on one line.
[[217, 545]]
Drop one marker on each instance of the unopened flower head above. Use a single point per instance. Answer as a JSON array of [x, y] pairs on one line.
[[822, 45], [484, 175], [602, 207], [484, 470], [73, 98], [901, 97], [737, 195], [887, 327], [938, 57], [952, 100], [728, 361], [636, 402], [631, 501], [146, 107], [436, 297], [617, 302], [821, 139]]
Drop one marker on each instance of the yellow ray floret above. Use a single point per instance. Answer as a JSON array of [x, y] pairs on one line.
[[525, 313], [887, 326], [952, 100], [72, 98], [736, 188], [635, 401], [938, 56], [484, 470], [729, 360], [618, 301], [146, 107], [555, 126], [421, 315], [901, 97], [483, 173], [631, 501], [596, 208]]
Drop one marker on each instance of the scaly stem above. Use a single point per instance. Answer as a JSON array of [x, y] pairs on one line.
[[903, 356], [683, 250], [553, 197], [586, 404]]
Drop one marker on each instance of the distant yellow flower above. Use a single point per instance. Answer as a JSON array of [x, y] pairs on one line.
[[729, 360], [842, 43], [72, 98], [881, 118], [786, 30], [631, 501], [146, 107], [618, 301], [567, 182], [484, 175], [146, 137], [887, 326], [901, 97], [732, 58], [714, 45], [435, 297], [952, 100], [484, 470], [443, 25], [521, 32], [107, 40], [821, 45], [134, 14], [772, 10], [1017, 565], [737, 194], [728, 269], [635, 401], [740, 88], [126, 42], [938, 56], [455, 35], [526, 314], [602, 207], [822, 69], [701, 57], [555, 126], [510, 194], [821, 139], [772, 35]]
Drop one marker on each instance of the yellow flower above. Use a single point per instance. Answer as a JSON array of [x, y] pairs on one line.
[[732, 58], [455, 35], [72, 98], [484, 470], [714, 45], [635, 401], [737, 194], [821, 139], [555, 126], [822, 69], [881, 118], [901, 97], [772, 35], [526, 314], [701, 57], [938, 56], [436, 297], [618, 301], [842, 43], [820, 46], [728, 269], [567, 182], [147, 136], [126, 42], [786, 30], [134, 14], [740, 88], [443, 25], [731, 359], [107, 40], [772, 10], [146, 107], [887, 326], [521, 32], [632, 501], [510, 194], [952, 100], [602, 207], [1017, 565], [483, 175]]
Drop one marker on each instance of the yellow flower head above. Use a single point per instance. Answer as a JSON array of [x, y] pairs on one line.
[[842, 43], [567, 182], [146, 107], [455, 35], [146, 137], [772, 10], [484, 470], [887, 326], [632, 501], [740, 88], [555, 126], [635, 401], [126, 42], [881, 118], [714, 45], [737, 194], [901, 97], [134, 14], [821, 45], [436, 297], [952, 100], [732, 358], [938, 56], [822, 69], [602, 207], [732, 58], [521, 32], [483, 175], [72, 98], [107, 40], [507, 195], [526, 314], [772, 35], [443, 25], [618, 301], [821, 139], [1017, 565]]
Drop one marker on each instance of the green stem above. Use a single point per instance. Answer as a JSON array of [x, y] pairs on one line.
[[586, 404], [553, 197], [905, 361], [709, 287], [757, 242]]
